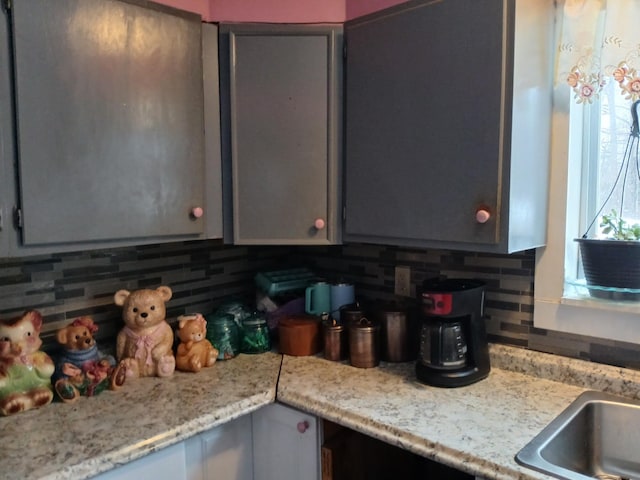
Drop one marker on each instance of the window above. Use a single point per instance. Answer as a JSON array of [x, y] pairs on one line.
[[613, 122], [590, 126], [609, 178]]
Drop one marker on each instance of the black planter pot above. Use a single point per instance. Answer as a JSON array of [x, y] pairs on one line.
[[613, 266]]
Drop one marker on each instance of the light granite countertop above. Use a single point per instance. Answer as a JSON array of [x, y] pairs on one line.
[[478, 428], [92, 435]]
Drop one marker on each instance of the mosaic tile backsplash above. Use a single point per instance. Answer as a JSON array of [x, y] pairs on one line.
[[202, 274], [65, 286]]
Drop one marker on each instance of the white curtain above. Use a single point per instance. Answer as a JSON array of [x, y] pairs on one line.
[[599, 42]]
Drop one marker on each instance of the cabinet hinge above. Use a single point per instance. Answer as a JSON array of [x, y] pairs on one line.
[[344, 49], [344, 213], [17, 217], [1, 219]]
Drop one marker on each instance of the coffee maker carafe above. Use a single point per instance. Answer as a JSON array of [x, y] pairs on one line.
[[453, 341]]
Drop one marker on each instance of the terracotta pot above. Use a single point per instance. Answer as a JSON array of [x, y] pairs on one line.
[[300, 335]]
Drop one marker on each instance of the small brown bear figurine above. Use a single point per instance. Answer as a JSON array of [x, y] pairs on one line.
[[145, 344], [81, 369], [194, 351]]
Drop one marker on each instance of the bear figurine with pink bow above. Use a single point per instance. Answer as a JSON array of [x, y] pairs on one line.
[[145, 343]]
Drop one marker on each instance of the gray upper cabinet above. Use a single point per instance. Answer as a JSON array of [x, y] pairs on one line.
[[281, 111], [7, 144], [448, 108], [109, 125]]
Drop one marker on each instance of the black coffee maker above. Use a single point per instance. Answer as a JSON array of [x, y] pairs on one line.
[[453, 340]]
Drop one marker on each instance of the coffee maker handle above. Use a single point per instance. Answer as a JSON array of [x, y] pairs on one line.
[[428, 302]]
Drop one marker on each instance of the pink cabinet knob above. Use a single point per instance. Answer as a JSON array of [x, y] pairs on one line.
[[302, 426], [483, 216], [197, 212], [319, 223]]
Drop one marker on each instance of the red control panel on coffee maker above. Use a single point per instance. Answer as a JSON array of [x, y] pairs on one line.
[[437, 303]]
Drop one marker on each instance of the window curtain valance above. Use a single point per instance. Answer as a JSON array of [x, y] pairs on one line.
[[599, 42]]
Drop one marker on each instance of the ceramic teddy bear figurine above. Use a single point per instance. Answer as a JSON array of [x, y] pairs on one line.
[[25, 371], [145, 343], [194, 351], [81, 369]]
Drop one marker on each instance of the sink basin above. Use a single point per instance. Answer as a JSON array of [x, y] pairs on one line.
[[597, 436]]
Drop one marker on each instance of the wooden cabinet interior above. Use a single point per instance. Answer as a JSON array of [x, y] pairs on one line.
[[350, 455]]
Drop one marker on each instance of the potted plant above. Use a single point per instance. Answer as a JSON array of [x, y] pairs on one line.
[[612, 264], [614, 226]]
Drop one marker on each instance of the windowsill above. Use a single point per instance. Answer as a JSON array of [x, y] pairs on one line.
[[589, 316], [578, 296], [598, 304]]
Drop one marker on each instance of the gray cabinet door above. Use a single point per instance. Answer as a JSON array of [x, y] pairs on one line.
[[7, 145], [426, 123], [281, 111], [109, 102]]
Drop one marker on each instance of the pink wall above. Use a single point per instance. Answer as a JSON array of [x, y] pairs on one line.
[[280, 11], [357, 8], [203, 7]]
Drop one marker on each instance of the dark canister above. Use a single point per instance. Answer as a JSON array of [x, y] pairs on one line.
[[335, 340], [351, 313], [396, 335], [364, 343]]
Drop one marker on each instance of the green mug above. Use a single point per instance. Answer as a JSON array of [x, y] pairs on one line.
[[318, 298]]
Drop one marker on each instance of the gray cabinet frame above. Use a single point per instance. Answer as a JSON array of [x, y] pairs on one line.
[[448, 110], [192, 179], [281, 132]]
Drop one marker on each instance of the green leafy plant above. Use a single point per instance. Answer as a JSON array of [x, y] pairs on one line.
[[615, 227]]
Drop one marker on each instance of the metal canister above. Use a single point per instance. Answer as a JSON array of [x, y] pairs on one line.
[[364, 343], [335, 340], [396, 335], [351, 314]]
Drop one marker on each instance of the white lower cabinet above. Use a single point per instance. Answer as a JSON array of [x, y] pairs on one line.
[[286, 444], [273, 443], [222, 452], [166, 464], [276, 442]]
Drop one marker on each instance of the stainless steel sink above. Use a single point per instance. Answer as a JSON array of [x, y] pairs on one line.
[[597, 436]]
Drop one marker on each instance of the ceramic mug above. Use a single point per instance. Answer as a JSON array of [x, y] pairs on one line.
[[341, 294], [318, 298]]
